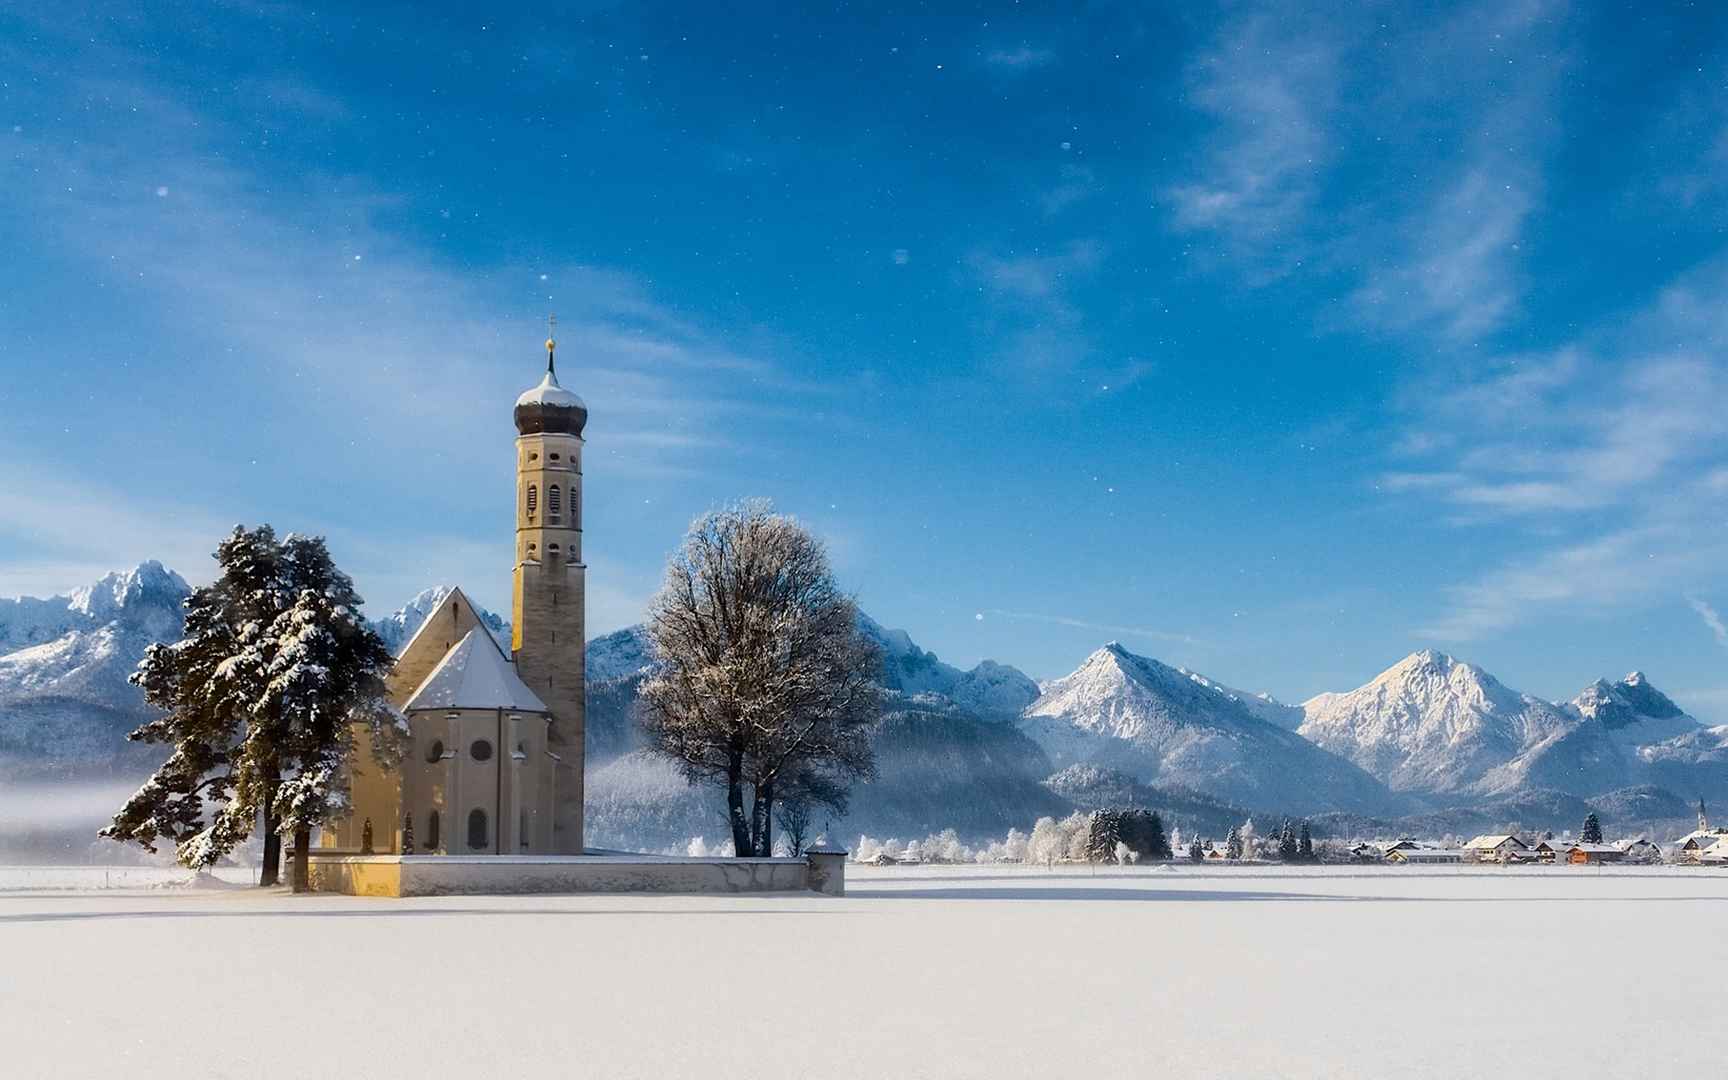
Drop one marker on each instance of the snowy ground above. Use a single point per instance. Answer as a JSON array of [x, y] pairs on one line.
[[920, 972]]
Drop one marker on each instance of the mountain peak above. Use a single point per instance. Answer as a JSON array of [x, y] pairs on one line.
[[148, 583]]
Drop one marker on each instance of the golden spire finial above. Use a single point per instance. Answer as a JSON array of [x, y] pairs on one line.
[[551, 344]]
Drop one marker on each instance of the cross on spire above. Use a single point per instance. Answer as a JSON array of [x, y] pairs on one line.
[[551, 344]]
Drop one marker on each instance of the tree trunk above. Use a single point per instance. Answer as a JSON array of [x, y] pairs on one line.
[[271, 872], [302, 860], [735, 807], [762, 821]]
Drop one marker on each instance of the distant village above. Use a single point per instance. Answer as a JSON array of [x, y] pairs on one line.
[[1101, 837]]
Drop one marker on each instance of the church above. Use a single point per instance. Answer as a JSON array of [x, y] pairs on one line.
[[493, 760]]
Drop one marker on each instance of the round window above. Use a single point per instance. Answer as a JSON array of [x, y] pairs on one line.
[[481, 750], [435, 752]]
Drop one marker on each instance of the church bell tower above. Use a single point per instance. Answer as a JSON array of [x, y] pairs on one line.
[[547, 613]]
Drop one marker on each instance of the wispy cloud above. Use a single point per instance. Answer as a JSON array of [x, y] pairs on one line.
[[1711, 619], [1460, 273], [1019, 58], [1035, 319], [1100, 627], [1606, 459], [1269, 87]]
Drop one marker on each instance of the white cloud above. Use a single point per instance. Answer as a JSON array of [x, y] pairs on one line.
[[1711, 620], [1270, 87], [1605, 462]]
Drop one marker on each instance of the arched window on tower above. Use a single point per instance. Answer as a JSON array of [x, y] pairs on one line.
[[533, 499], [477, 829], [432, 836], [554, 503]]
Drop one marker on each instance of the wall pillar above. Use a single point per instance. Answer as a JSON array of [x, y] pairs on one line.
[[825, 870]]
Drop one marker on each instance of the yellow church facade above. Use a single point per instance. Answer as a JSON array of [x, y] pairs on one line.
[[494, 754]]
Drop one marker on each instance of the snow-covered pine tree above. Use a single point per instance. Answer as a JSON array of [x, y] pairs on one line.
[[1196, 851], [1233, 844], [259, 699], [1287, 842], [1591, 833], [1305, 844], [1104, 832]]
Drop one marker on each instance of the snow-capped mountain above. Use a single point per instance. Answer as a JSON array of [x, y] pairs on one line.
[[1162, 726], [65, 704], [398, 627], [989, 688], [1431, 723], [1604, 747], [619, 655]]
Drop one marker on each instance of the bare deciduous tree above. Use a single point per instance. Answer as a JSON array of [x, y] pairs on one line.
[[764, 681]]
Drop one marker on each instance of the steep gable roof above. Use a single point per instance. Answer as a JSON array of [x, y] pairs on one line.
[[474, 675]]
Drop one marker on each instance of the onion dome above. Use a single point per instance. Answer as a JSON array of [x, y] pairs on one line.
[[549, 408]]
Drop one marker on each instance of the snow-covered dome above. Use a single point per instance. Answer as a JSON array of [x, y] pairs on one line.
[[549, 408]]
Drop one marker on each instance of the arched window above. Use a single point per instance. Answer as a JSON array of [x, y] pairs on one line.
[[533, 498], [570, 556], [435, 752], [554, 505], [552, 552], [481, 750], [477, 829], [432, 832], [554, 457]]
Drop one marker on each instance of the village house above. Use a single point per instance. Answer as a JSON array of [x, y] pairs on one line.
[[1594, 854], [1366, 853], [1425, 856], [1641, 850], [1496, 848], [1550, 851]]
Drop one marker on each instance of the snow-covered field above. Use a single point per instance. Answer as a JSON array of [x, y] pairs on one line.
[[920, 972]]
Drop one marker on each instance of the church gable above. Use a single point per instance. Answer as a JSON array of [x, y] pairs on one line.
[[446, 626], [474, 675]]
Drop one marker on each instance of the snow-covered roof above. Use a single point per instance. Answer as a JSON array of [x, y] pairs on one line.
[[1596, 849], [1488, 843], [550, 393], [474, 674], [1702, 838]]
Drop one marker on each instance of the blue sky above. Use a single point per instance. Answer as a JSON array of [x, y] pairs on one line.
[[1270, 342]]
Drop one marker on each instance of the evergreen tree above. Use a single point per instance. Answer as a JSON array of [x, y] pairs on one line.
[[1233, 844], [1103, 833], [1157, 844], [260, 698], [1591, 833], [1287, 842], [1305, 844], [1196, 852]]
